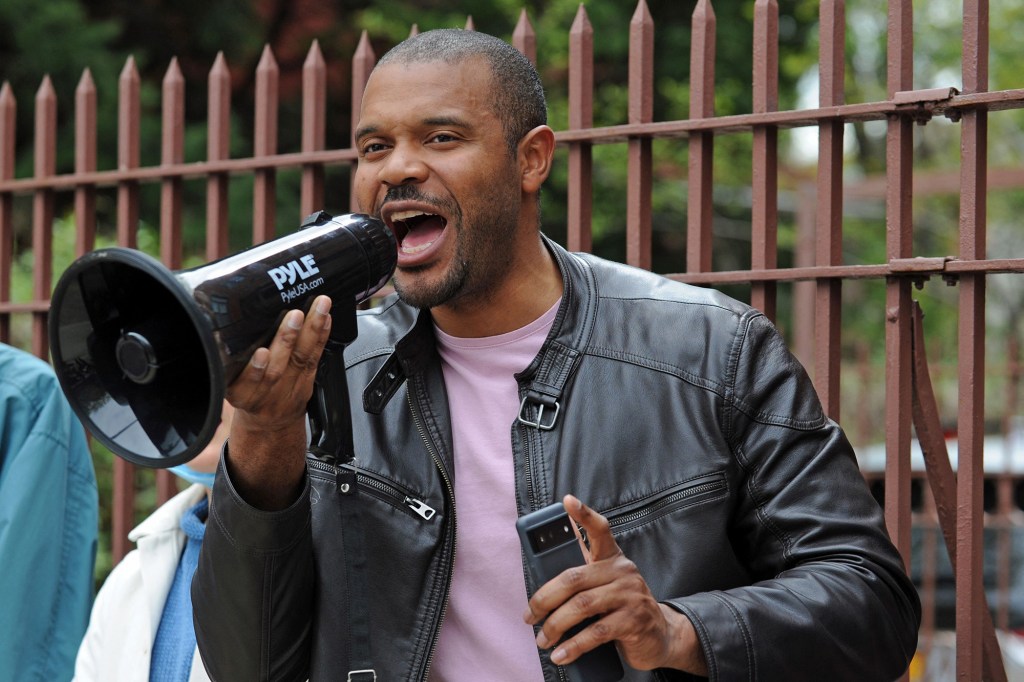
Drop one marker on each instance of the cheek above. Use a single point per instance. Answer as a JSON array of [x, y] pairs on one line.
[[362, 191]]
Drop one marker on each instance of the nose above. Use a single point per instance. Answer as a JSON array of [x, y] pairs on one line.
[[403, 166]]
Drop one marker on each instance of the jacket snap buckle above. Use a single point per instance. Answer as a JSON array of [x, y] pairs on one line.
[[368, 675], [539, 423]]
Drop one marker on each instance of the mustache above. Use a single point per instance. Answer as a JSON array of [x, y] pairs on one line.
[[413, 193], [406, 193]]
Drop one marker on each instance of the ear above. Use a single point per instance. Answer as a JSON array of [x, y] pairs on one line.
[[536, 150]]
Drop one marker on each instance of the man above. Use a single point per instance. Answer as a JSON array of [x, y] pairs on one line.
[[736, 537], [49, 518]]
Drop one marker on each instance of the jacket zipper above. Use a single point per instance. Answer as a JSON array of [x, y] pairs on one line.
[[677, 496], [382, 489], [417, 419], [531, 495]]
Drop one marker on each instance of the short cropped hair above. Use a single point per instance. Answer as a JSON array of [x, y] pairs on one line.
[[516, 91]]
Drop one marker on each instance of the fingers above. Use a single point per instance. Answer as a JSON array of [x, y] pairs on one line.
[[295, 350], [584, 591], [619, 608], [278, 381], [267, 443], [607, 600], [580, 593]]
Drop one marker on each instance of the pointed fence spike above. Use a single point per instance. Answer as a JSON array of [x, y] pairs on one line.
[[524, 38], [8, 109], [45, 88], [85, 123], [85, 83], [173, 74], [364, 50], [314, 57], [129, 71], [173, 115], [220, 64], [267, 60], [581, 22], [641, 64], [45, 129]]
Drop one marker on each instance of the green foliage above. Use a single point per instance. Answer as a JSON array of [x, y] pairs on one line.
[[63, 254], [29, 33]]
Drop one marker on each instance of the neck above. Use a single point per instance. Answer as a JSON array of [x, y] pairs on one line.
[[533, 285]]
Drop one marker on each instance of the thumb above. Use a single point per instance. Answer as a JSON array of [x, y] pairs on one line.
[[599, 532]]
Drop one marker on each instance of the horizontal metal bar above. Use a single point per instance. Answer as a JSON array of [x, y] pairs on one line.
[[872, 111], [918, 104], [24, 307], [199, 169], [914, 268], [907, 268]]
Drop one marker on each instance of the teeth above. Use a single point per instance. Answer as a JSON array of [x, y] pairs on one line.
[[405, 215], [416, 249]]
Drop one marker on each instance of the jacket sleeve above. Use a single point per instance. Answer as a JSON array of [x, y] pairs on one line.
[[252, 594], [831, 599], [48, 524]]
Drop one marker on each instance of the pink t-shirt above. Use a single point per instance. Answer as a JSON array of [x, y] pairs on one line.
[[483, 636]]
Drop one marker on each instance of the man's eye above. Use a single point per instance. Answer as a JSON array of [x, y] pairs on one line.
[[443, 137], [373, 148]]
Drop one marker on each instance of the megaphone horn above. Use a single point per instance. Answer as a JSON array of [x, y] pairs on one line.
[[144, 354]]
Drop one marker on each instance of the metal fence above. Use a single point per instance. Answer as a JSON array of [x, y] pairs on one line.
[[954, 500]]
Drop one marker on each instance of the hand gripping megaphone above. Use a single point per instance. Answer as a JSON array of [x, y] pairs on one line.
[[144, 354]]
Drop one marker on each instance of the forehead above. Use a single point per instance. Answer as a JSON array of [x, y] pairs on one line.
[[422, 90]]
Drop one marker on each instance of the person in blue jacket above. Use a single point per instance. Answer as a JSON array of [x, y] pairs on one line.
[[48, 523]]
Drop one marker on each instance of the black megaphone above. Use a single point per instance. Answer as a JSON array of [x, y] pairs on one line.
[[144, 354]]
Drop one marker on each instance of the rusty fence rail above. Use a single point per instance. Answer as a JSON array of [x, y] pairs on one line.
[[824, 272]]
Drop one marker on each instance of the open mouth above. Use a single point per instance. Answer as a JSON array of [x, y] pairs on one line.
[[416, 230]]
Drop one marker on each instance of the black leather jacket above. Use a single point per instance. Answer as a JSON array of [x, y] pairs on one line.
[[675, 411]]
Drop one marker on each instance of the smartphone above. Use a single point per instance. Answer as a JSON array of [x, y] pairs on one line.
[[550, 545]]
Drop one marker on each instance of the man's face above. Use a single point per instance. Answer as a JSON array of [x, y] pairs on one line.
[[434, 165]]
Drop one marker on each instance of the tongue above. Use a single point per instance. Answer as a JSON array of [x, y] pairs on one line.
[[423, 233]]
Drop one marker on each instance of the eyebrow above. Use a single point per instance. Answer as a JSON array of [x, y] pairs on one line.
[[452, 121]]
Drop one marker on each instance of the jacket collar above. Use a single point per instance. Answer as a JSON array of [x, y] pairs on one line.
[[546, 376], [549, 373]]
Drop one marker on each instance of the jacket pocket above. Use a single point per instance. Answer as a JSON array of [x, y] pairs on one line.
[[377, 486], [657, 505]]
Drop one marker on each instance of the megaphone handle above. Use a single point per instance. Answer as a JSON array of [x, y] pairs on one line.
[[330, 416]]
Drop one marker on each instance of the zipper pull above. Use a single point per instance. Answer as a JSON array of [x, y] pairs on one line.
[[420, 507]]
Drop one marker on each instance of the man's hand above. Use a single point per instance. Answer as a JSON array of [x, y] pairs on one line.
[[267, 444], [648, 634]]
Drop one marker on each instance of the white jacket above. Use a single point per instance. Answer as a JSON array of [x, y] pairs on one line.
[[126, 614]]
